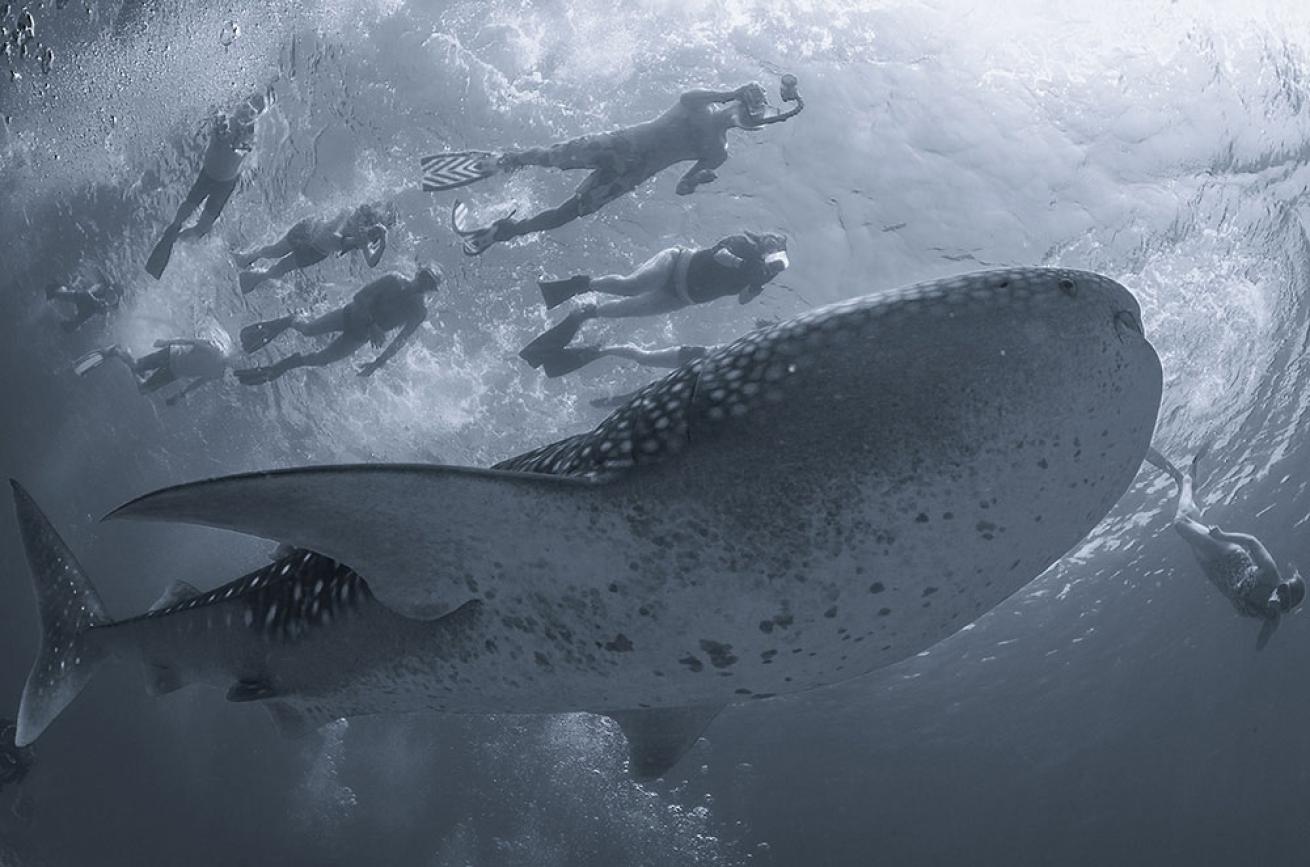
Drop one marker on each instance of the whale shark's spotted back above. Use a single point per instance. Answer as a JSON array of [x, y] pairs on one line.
[[661, 419]]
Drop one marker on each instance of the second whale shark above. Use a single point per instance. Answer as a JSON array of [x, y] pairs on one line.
[[817, 500]]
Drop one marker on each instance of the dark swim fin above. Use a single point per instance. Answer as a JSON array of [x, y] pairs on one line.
[[564, 361], [163, 251], [659, 737], [556, 292], [555, 338], [459, 169], [257, 336]]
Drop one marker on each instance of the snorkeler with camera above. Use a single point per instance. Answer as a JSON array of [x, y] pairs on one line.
[[696, 128]]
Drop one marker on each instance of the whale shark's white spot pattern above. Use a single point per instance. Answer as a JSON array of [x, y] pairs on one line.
[[728, 383]]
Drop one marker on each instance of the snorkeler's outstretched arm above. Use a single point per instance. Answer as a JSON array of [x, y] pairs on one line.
[[750, 293], [1267, 630], [700, 98], [397, 342], [701, 173], [1259, 553]]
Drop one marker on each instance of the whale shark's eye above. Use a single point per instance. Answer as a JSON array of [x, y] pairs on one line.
[[1068, 287]]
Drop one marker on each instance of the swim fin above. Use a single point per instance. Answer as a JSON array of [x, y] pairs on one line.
[[90, 361], [163, 251], [254, 375], [556, 338], [476, 241], [250, 279], [556, 292], [559, 362], [257, 336], [458, 169]]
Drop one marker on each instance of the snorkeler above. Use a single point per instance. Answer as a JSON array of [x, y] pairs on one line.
[[231, 139], [1236, 563], [388, 303], [670, 280], [15, 764], [200, 360], [312, 240], [620, 161], [89, 300]]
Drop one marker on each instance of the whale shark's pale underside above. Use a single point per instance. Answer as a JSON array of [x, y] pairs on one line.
[[817, 500]]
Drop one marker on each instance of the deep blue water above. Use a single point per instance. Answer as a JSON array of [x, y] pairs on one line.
[[1114, 711]]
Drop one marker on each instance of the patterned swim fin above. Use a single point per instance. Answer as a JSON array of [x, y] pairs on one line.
[[453, 170]]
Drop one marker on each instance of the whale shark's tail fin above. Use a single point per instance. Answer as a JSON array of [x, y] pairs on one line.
[[69, 607]]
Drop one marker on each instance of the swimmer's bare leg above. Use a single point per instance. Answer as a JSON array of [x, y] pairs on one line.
[[343, 347], [653, 274], [276, 250], [666, 357], [649, 304]]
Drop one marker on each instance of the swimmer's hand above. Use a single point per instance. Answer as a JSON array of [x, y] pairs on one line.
[[377, 337], [688, 184]]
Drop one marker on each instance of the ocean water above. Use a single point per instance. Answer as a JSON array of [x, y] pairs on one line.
[[1115, 710]]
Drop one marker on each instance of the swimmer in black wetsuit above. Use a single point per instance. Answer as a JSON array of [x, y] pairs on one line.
[[312, 240], [231, 139], [1236, 563], [696, 128], [675, 278], [392, 301], [88, 300]]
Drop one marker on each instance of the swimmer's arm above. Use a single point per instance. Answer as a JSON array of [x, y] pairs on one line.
[[1267, 630], [701, 173], [750, 293], [701, 98], [725, 257], [390, 351], [1259, 553]]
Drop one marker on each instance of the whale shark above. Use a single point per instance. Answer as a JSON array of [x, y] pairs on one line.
[[814, 501]]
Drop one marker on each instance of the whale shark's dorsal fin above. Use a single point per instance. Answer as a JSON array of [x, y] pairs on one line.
[[659, 737], [178, 591], [414, 532]]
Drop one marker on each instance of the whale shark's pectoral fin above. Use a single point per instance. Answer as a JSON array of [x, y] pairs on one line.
[[416, 533], [178, 591], [659, 737]]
